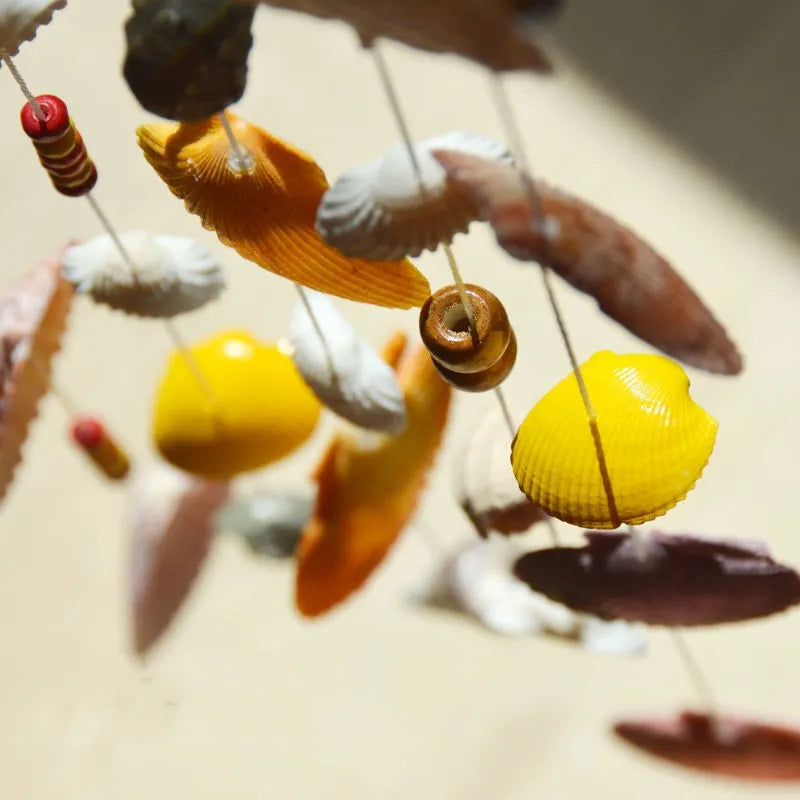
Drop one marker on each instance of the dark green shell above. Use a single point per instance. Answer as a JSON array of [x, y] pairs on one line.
[[187, 59]]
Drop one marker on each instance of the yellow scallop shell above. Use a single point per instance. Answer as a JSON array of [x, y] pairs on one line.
[[656, 441], [268, 214], [256, 410]]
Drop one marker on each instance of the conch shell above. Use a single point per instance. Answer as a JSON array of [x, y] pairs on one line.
[[395, 207], [368, 488], [170, 518], [172, 274], [631, 282], [248, 407], [718, 745], [496, 33], [485, 485], [346, 374], [656, 441], [663, 579], [187, 59], [33, 317], [266, 211], [21, 19]]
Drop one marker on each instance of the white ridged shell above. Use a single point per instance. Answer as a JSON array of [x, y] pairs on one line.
[[345, 373], [173, 274], [20, 19], [379, 210], [477, 581], [484, 481]]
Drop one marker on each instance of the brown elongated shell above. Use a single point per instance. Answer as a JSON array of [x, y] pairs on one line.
[[33, 317], [187, 59], [632, 283], [720, 745], [492, 32], [171, 523], [663, 579], [368, 488]]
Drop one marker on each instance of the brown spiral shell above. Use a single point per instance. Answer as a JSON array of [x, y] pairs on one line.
[[473, 363]]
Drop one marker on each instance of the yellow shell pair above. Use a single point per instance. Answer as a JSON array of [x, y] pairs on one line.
[[252, 407], [655, 438]]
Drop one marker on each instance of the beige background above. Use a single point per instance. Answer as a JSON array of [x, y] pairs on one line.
[[243, 699]]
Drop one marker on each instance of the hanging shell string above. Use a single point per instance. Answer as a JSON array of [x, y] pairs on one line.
[[514, 139], [12, 68], [397, 111], [240, 161], [318, 328], [696, 674]]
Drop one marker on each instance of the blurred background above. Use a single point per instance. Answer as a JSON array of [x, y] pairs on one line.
[[680, 118]]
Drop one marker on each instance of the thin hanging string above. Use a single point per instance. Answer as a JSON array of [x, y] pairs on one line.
[[397, 111], [243, 160], [514, 139], [172, 331], [318, 328], [12, 68], [696, 674]]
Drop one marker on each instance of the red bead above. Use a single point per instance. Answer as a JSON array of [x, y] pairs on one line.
[[88, 432], [56, 117]]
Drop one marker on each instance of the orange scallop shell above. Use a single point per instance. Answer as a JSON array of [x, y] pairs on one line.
[[368, 488], [267, 214]]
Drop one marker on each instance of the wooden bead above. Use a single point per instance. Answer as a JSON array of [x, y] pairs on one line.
[[471, 363], [92, 437], [60, 146]]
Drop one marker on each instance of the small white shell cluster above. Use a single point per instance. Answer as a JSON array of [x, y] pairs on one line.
[[173, 274], [395, 207], [20, 19], [345, 373], [484, 481], [477, 581]]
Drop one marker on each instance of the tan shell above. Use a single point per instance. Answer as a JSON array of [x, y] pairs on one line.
[[631, 282], [21, 19], [492, 32], [173, 274], [171, 523], [33, 316], [385, 209]]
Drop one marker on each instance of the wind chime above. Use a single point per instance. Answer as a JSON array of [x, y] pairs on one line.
[[619, 441]]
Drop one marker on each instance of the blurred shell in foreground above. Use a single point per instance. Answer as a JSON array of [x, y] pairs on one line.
[[395, 206], [264, 207], [172, 274], [656, 441], [21, 19], [346, 374]]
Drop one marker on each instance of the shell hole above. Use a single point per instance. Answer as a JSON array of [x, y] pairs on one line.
[[455, 319]]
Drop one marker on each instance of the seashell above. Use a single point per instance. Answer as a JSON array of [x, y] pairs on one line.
[[719, 745], [173, 274], [170, 519], [477, 581], [345, 373], [486, 487], [266, 213], [33, 317], [395, 207], [270, 522], [472, 362], [251, 410], [20, 20], [656, 441], [187, 59], [663, 579], [368, 487], [631, 282], [492, 33]]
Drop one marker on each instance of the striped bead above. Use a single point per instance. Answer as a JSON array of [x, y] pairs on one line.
[[92, 437], [60, 146]]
